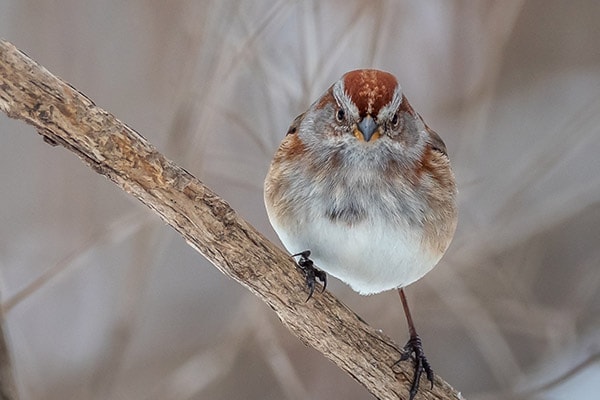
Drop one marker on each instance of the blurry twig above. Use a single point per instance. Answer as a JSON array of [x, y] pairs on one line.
[[64, 116], [8, 388], [592, 359], [117, 232]]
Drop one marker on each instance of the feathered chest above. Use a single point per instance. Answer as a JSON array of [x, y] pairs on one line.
[[351, 190]]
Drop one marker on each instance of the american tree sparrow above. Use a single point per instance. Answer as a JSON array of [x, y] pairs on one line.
[[363, 188]]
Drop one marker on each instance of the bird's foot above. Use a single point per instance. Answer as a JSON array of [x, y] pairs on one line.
[[414, 346], [310, 272]]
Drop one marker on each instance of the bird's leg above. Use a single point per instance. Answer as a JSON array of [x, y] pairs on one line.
[[310, 272], [415, 346]]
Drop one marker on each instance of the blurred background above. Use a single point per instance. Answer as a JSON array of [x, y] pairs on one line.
[[101, 300]]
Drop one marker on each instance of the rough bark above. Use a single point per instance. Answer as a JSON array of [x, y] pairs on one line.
[[64, 116]]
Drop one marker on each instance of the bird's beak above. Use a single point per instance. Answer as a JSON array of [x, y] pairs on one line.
[[367, 129]]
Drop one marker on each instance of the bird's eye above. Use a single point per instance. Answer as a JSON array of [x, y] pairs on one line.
[[395, 120], [340, 115]]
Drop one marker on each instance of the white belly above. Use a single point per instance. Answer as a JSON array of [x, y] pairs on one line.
[[371, 257]]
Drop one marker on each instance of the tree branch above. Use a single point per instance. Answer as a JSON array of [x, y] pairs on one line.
[[64, 116]]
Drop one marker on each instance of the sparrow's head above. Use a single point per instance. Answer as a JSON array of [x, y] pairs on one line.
[[366, 110], [368, 102]]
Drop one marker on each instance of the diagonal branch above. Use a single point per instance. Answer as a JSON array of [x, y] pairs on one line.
[[64, 116]]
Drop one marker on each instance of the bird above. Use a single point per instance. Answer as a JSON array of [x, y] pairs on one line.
[[362, 189]]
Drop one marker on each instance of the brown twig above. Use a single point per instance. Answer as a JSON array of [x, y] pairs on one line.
[[64, 116]]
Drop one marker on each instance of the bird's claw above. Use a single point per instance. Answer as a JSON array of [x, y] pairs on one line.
[[415, 346], [311, 273]]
